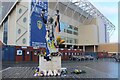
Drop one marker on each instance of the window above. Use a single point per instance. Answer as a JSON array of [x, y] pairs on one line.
[[75, 53], [35, 53], [63, 26], [75, 33], [67, 41], [69, 54], [5, 36], [105, 33], [70, 27], [75, 40], [24, 41], [19, 31], [65, 53], [69, 31], [72, 54], [64, 30], [24, 19], [20, 11], [70, 41], [76, 29]]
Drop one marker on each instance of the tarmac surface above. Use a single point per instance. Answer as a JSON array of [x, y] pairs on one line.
[[102, 68]]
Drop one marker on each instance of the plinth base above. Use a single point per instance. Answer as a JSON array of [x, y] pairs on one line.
[[52, 67]]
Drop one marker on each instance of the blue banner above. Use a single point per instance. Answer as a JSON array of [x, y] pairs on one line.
[[38, 28]]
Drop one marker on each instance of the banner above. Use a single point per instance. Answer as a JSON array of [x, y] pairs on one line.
[[38, 29]]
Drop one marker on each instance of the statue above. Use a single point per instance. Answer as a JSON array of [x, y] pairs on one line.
[[52, 28], [50, 65]]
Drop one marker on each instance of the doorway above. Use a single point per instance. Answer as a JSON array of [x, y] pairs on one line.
[[23, 56], [31, 55]]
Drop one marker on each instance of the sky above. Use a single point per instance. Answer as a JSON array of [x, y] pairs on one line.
[[109, 8]]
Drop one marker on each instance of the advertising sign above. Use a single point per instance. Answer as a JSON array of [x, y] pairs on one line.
[[38, 28], [19, 52]]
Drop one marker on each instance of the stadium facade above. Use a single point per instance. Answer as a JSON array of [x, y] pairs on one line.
[[82, 25]]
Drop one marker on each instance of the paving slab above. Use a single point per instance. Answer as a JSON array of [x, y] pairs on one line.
[[103, 68]]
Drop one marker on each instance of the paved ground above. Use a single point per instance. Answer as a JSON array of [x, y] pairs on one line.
[[103, 68]]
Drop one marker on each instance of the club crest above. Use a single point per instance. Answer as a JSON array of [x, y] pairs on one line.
[[39, 24]]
